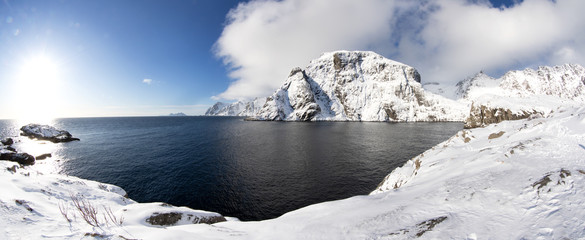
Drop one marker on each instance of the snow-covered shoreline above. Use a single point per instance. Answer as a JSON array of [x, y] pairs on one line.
[[511, 180]]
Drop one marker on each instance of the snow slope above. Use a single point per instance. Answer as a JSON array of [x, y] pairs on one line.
[[520, 179], [519, 94], [357, 86], [239, 108]]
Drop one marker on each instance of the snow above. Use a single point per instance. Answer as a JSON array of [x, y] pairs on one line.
[[357, 86], [522, 179], [512, 180], [239, 108]]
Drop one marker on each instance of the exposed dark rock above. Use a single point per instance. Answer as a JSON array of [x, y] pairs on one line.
[[10, 148], [428, 225], [43, 156], [164, 219], [205, 219], [12, 169], [172, 218], [420, 228], [24, 204], [496, 135], [481, 116], [7, 141], [48, 133], [21, 158]]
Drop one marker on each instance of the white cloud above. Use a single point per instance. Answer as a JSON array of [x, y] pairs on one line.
[[148, 81], [446, 40]]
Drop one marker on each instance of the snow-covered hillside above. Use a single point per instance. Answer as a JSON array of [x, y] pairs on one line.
[[239, 108], [513, 180], [357, 86], [519, 94]]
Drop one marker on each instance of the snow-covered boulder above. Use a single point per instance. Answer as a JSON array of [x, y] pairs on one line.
[[164, 215], [46, 132], [357, 86], [239, 108], [520, 94]]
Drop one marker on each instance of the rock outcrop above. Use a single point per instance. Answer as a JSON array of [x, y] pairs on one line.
[[357, 86], [46, 132], [7, 141], [481, 116], [172, 218], [21, 158]]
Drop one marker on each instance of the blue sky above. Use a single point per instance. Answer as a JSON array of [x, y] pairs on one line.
[[105, 49], [137, 58]]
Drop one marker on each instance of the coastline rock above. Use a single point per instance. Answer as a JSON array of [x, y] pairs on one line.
[[357, 86], [7, 141], [21, 158], [46, 132], [43, 156]]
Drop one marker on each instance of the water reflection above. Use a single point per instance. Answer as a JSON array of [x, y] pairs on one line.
[[11, 128]]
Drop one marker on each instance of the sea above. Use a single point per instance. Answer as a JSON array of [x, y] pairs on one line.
[[252, 170]]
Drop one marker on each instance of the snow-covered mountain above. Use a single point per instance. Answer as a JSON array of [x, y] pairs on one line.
[[239, 108], [357, 86], [519, 94]]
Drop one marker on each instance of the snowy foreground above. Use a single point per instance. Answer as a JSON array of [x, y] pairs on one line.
[[511, 180]]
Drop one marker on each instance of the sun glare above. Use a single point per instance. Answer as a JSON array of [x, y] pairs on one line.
[[37, 83]]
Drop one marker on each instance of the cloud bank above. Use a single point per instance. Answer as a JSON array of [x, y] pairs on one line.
[[446, 40]]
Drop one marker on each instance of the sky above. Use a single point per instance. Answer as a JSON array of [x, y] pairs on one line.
[[71, 58]]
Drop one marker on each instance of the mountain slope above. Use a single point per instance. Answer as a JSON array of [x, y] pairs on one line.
[[519, 94], [239, 108], [357, 86]]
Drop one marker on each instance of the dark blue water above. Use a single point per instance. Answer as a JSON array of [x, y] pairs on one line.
[[246, 169]]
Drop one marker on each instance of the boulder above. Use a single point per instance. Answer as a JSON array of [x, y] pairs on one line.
[[7, 141], [172, 218], [43, 156], [46, 132], [21, 158]]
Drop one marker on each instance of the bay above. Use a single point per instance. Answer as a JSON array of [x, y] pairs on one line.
[[246, 169]]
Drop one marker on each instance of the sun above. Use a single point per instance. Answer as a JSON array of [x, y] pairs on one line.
[[38, 88], [39, 72]]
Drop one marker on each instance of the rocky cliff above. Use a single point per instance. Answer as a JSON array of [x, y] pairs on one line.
[[357, 86]]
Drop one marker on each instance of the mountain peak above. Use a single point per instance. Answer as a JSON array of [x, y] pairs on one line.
[[356, 86]]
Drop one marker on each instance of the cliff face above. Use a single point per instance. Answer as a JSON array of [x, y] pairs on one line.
[[520, 94], [357, 86]]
